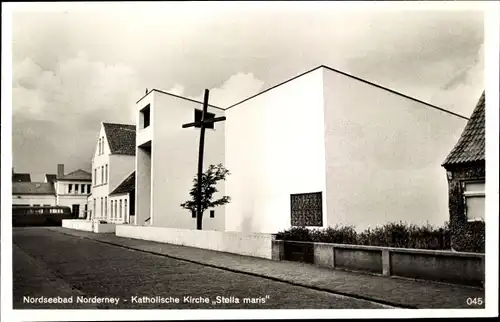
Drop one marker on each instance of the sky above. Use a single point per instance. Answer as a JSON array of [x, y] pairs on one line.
[[78, 66]]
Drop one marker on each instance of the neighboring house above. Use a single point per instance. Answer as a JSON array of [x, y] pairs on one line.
[[321, 149], [113, 161], [33, 194], [466, 173], [21, 177], [122, 201], [50, 178], [73, 189]]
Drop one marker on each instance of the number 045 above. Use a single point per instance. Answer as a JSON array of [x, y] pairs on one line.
[[474, 301]]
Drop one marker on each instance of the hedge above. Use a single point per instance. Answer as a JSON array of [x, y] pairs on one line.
[[399, 235]]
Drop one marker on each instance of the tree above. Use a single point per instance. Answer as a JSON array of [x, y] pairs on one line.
[[209, 181]]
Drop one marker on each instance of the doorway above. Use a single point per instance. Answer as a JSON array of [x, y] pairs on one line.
[[76, 211]]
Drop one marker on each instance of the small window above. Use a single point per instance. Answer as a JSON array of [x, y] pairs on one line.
[[76, 188], [197, 118], [102, 145], [125, 208], [212, 213], [121, 209], [106, 174], [70, 188], [99, 153], [474, 195], [82, 189], [95, 177], [102, 174], [306, 209], [193, 213], [145, 117], [88, 188], [106, 206], [102, 206]]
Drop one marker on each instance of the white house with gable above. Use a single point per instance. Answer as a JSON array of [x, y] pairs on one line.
[[321, 149], [113, 161], [72, 189]]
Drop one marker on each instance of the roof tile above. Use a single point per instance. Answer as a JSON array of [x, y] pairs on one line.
[[33, 188], [471, 145], [127, 185], [121, 138]]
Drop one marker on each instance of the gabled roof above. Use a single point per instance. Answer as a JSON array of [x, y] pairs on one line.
[[21, 177], [471, 145], [121, 138], [50, 178], [33, 188], [127, 185], [305, 73], [76, 175]]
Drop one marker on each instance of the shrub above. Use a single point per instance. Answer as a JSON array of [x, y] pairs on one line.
[[296, 234], [394, 234]]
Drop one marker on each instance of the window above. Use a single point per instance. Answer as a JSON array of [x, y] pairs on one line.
[[197, 118], [145, 117], [99, 151], [106, 174], [111, 210], [106, 206], [95, 177], [116, 210], [82, 189], [212, 213], [306, 209], [121, 213], [102, 174], [70, 188], [193, 213], [102, 145], [94, 206], [76, 188], [88, 188], [474, 196], [102, 206], [125, 208]]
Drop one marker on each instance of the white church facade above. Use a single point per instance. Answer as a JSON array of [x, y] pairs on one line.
[[321, 149]]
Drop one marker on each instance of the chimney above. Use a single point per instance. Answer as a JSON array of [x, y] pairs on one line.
[[60, 170]]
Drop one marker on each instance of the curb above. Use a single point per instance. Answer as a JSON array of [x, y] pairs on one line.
[[317, 288]]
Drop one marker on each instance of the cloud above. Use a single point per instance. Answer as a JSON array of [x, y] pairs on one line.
[[60, 111], [70, 74], [177, 90], [461, 93], [234, 89]]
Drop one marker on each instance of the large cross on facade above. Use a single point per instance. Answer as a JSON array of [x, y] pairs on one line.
[[202, 123]]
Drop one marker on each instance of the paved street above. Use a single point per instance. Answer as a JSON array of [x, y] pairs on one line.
[[50, 264]]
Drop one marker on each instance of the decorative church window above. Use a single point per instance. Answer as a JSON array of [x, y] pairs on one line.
[[307, 209], [197, 118]]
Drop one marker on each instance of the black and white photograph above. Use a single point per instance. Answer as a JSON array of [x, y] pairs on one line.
[[233, 160]]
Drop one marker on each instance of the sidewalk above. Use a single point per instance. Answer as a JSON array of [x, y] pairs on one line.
[[387, 290]]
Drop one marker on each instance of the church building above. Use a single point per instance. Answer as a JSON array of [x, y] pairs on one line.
[[324, 148]]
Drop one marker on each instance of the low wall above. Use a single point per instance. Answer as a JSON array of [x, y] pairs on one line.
[[77, 224], [257, 245], [443, 266], [104, 228]]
